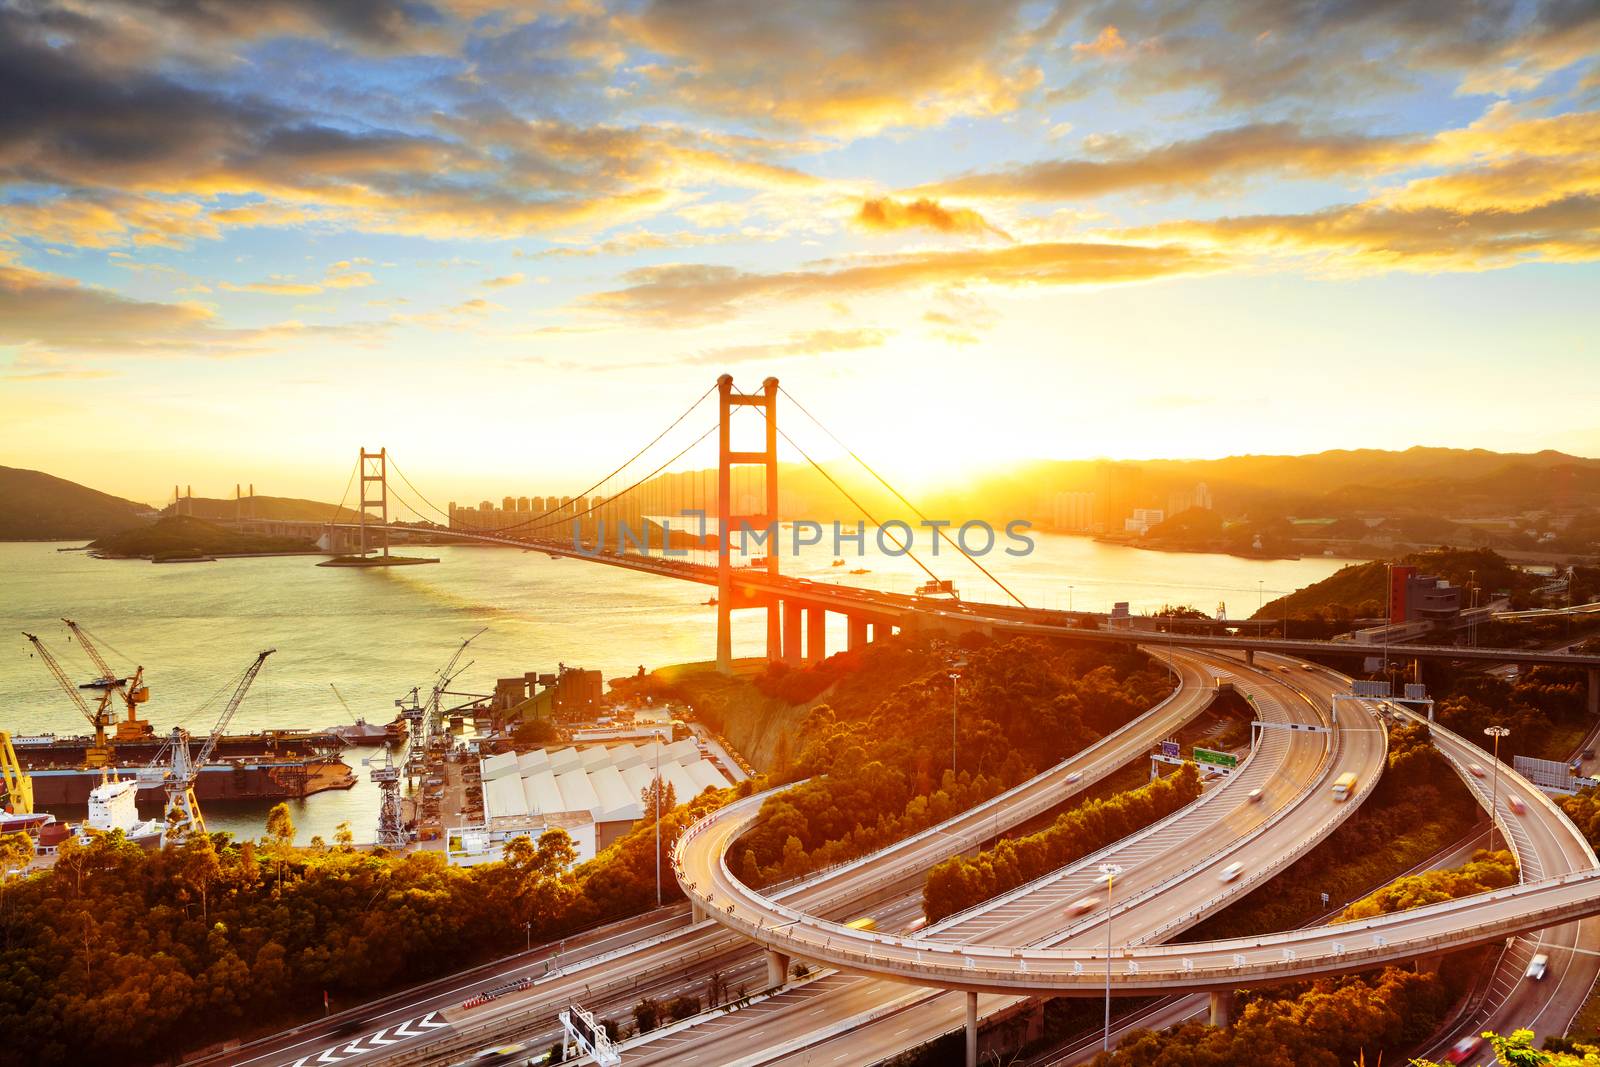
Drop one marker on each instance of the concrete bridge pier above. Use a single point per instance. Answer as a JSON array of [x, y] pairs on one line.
[[1221, 1008], [972, 1030], [1594, 690], [858, 633], [816, 635], [791, 633], [1416, 670], [777, 969], [697, 914]]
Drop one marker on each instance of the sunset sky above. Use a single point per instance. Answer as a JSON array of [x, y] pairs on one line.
[[239, 240]]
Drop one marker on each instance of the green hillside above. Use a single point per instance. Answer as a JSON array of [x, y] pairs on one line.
[[178, 536], [1360, 590], [42, 507]]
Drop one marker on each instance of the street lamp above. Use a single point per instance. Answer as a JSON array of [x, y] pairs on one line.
[[955, 678], [1110, 870], [1069, 598], [657, 791], [1496, 732]]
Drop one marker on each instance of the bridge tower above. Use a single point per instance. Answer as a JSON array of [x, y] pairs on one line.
[[727, 522], [375, 469]]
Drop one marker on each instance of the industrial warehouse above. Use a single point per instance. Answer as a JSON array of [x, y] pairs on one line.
[[594, 793]]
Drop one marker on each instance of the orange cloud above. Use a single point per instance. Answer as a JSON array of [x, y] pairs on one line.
[[1277, 149], [884, 214], [1109, 43], [686, 293]]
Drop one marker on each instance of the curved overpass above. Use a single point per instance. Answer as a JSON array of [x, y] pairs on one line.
[[1226, 964]]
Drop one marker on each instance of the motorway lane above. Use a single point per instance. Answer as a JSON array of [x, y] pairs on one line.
[[896, 870], [316, 1038], [1170, 1011], [1267, 959], [1544, 848], [1288, 765]]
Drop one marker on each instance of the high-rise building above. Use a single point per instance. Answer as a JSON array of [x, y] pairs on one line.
[[522, 503], [1073, 511]]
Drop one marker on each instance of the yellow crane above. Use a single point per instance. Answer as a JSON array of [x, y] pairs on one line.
[[15, 785], [132, 690], [100, 753]]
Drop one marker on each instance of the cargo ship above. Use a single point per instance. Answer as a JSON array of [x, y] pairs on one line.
[[270, 765]]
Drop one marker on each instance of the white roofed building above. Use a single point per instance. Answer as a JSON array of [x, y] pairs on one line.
[[597, 787]]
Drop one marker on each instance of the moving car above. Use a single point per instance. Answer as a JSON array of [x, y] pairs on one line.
[[1344, 785], [866, 922], [1231, 871], [1075, 776], [1476, 771], [1082, 905], [1537, 967], [1462, 1049], [1254, 795], [1516, 805]]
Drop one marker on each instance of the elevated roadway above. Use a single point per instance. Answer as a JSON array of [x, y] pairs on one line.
[[1169, 882], [679, 950], [1216, 965]]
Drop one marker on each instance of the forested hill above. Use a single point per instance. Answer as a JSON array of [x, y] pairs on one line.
[[1361, 589], [42, 507]]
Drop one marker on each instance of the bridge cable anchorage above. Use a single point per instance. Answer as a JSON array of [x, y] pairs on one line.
[[553, 511], [857, 504], [937, 530]]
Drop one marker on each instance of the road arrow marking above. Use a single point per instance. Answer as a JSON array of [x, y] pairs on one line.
[[379, 1039]]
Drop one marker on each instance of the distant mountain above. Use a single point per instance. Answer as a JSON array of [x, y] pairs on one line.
[[286, 508], [41, 507]]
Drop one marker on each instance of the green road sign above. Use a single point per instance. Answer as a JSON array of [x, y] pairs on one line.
[[1216, 759]]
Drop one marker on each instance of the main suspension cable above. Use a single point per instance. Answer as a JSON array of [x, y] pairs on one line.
[[938, 529]]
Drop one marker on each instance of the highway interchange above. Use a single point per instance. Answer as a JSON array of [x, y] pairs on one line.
[[1020, 942]]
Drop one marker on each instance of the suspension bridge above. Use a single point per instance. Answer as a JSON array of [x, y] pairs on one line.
[[627, 519]]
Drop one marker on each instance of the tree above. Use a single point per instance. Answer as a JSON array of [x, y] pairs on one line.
[[342, 837], [280, 825], [658, 796], [201, 867]]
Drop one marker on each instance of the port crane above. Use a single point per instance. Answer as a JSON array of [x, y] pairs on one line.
[[183, 810], [429, 717], [98, 754], [15, 785], [132, 690]]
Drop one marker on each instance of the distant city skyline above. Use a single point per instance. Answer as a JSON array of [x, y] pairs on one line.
[[511, 243]]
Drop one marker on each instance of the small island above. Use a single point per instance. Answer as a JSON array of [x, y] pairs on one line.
[[183, 538]]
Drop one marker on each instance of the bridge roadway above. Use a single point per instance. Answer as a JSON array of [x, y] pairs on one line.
[[1223, 966], [675, 951], [898, 609], [1169, 882]]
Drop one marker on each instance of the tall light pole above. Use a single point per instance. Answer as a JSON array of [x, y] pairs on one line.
[[1069, 598], [1496, 732], [1110, 870], [955, 678], [658, 820]]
